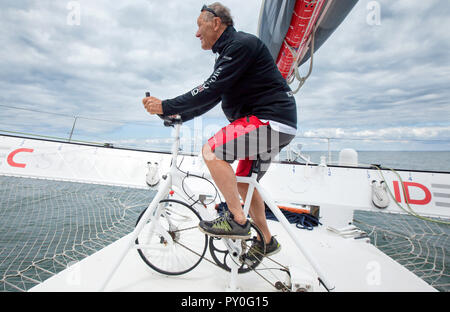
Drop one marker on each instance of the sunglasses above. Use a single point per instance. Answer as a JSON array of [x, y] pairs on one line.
[[205, 8]]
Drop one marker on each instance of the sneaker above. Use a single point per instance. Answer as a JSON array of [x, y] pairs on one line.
[[256, 252], [225, 227]]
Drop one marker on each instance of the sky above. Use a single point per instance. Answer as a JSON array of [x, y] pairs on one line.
[[81, 68]]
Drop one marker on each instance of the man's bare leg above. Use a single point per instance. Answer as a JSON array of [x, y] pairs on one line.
[[257, 210], [225, 179]]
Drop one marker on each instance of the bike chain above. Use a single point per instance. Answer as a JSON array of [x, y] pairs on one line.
[[277, 285]]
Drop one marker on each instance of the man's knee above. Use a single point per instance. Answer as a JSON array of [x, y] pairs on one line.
[[207, 153]]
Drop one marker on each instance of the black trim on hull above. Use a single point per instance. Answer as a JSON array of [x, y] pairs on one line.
[[283, 162]]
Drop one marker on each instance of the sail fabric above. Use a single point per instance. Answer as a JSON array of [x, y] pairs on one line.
[[275, 18], [274, 21]]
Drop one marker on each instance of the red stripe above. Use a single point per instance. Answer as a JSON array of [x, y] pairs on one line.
[[397, 192], [234, 130], [297, 34], [243, 168]]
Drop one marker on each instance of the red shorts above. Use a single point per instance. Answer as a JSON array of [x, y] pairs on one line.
[[245, 139]]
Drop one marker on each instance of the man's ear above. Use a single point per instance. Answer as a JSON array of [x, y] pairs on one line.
[[217, 22]]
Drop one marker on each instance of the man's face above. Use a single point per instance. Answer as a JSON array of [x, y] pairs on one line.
[[206, 32]]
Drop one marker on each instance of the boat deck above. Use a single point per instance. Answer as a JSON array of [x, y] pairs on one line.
[[351, 264]]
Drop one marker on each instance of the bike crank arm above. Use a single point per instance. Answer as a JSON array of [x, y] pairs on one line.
[[277, 285], [233, 248]]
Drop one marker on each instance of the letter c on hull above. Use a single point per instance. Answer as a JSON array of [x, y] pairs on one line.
[[10, 160]]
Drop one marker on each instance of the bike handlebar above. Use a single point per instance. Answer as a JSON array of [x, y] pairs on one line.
[[169, 121]]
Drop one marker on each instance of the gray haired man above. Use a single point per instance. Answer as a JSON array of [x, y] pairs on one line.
[[259, 105]]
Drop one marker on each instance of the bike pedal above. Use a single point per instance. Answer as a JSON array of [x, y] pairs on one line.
[[281, 286]]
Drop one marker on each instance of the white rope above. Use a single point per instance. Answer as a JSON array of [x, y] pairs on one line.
[[45, 226], [295, 73], [419, 245]]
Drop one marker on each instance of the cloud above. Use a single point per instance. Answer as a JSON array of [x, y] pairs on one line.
[[367, 80], [413, 133], [382, 80]]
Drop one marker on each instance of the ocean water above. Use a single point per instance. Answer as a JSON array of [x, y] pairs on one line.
[[413, 160], [47, 225]]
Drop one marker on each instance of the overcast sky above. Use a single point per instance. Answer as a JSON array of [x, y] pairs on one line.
[[96, 59]]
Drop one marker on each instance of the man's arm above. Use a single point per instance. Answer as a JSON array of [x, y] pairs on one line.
[[192, 114], [154, 106], [233, 62]]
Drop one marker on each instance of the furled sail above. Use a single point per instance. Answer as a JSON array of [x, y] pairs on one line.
[[287, 27]]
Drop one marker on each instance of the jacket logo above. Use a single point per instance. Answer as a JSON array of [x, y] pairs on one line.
[[207, 83]]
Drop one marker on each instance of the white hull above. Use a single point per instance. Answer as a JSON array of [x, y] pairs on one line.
[[353, 264]]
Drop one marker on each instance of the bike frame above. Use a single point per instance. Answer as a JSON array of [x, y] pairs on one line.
[[174, 179]]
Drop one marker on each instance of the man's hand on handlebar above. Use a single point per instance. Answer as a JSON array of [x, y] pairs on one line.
[[153, 105]]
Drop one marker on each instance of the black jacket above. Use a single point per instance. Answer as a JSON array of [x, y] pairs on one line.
[[246, 80]]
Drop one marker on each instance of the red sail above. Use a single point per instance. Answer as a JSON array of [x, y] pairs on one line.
[[304, 16]]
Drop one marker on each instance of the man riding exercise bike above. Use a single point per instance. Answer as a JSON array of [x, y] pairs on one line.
[[260, 107]]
